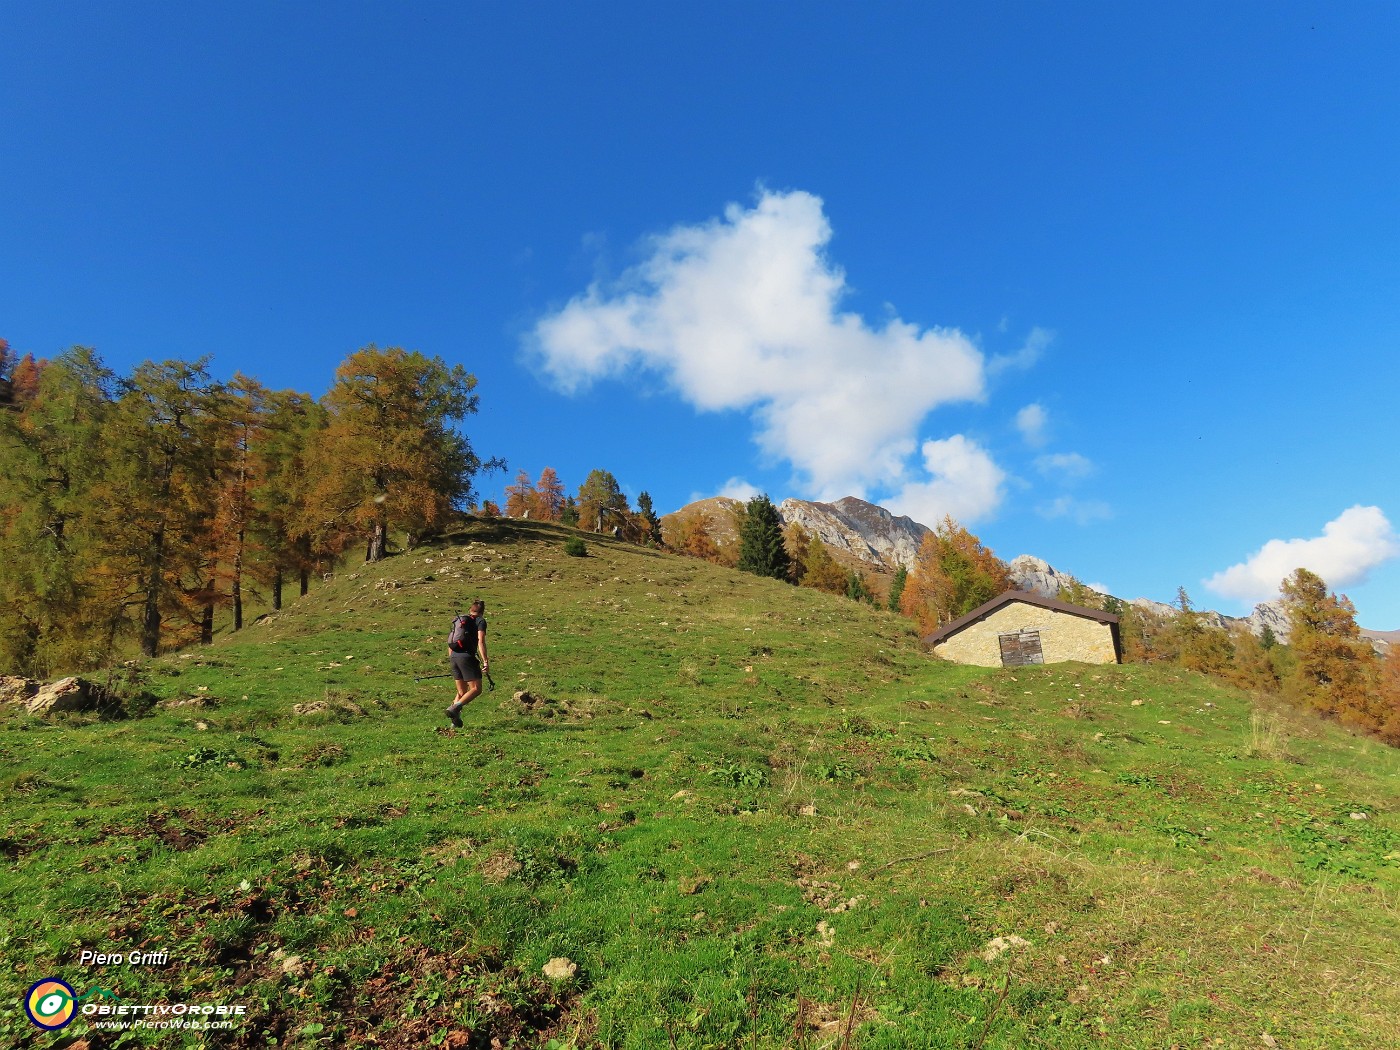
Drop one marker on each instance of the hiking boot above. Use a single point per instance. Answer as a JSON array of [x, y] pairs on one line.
[[453, 713]]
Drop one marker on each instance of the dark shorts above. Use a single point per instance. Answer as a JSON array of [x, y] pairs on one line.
[[466, 667]]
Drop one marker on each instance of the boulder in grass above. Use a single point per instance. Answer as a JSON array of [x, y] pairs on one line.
[[15, 690], [202, 702], [560, 969], [67, 694], [331, 707]]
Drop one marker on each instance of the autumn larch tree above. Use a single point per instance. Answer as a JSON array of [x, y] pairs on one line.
[[388, 457], [157, 496], [954, 573], [601, 503], [815, 567], [1388, 692], [243, 413], [521, 498], [1250, 666], [1193, 643], [689, 535], [58, 606], [284, 545], [1335, 665], [549, 496], [24, 378]]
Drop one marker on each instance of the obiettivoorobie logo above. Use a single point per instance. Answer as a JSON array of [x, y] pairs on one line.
[[52, 1004]]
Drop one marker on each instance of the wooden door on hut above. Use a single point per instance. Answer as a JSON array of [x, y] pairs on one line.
[[1021, 648]]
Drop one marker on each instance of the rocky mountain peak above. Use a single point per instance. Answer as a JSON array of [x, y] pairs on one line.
[[1036, 576], [859, 529], [862, 533]]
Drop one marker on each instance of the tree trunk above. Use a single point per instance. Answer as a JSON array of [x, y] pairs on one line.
[[150, 619], [375, 552], [206, 625], [237, 586], [304, 562], [277, 591]]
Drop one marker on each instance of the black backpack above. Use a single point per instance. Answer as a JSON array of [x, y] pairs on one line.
[[462, 638]]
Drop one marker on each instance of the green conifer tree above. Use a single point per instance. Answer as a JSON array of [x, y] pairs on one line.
[[901, 577], [651, 523], [761, 548]]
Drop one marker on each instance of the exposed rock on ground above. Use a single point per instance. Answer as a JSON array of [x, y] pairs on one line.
[[15, 690], [69, 694], [320, 707]]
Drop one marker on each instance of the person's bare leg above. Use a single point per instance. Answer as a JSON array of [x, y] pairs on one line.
[[466, 693]]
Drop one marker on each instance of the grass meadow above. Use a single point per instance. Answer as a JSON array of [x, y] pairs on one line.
[[730, 813]]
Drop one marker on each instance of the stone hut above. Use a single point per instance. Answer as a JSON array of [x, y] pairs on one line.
[[1019, 628]]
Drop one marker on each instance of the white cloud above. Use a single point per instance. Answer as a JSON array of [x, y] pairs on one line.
[[1031, 352], [1070, 465], [743, 312], [1081, 512], [735, 488], [966, 483], [738, 488], [1351, 545], [1031, 421]]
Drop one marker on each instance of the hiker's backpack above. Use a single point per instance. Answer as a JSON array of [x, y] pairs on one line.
[[461, 639]]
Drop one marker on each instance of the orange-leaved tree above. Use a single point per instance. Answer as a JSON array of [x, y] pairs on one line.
[[1335, 665], [1388, 690], [689, 535], [388, 457], [521, 498], [954, 573], [549, 495]]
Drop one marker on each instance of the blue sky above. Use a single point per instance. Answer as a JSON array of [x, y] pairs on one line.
[[1117, 284]]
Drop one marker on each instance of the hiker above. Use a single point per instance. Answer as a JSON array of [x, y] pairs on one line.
[[464, 644]]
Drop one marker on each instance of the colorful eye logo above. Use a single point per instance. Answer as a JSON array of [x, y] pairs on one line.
[[49, 1003]]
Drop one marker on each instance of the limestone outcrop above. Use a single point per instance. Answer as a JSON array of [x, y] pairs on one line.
[[859, 529], [67, 694]]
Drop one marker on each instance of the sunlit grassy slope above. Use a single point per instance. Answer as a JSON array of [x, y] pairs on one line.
[[748, 815]]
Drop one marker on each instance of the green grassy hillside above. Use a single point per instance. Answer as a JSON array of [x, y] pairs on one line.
[[747, 815]]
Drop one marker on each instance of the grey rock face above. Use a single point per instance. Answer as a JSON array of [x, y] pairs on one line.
[[1036, 576], [861, 529], [1272, 615], [15, 690], [67, 694]]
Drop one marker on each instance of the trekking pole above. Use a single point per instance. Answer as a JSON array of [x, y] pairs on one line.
[[491, 682]]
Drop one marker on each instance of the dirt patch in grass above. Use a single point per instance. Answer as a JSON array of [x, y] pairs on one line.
[[479, 1000], [820, 1026], [14, 847], [535, 705], [179, 830]]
